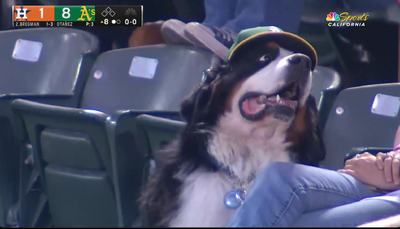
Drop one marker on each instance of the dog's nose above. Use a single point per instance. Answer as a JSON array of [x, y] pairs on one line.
[[300, 60]]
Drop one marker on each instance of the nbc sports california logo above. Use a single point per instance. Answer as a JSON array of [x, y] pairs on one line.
[[345, 19]]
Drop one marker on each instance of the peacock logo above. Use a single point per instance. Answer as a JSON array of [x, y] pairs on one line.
[[332, 16]]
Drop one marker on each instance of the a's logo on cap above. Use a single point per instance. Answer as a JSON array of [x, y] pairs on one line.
[[274, 29]]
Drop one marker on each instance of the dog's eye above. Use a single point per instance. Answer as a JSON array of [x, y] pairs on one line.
[[265, 58]]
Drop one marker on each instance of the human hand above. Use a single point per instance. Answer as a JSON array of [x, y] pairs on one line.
[[363, 167], [390, 164]]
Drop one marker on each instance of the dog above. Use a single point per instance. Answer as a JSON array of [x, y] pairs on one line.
[[251, 111]]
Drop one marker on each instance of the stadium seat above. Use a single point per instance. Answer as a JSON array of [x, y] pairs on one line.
[[359, 150], [314, 29], [35, 61], [154, 77], [324, 79], [156, 132], [49, 65], [85, 147], [326, 84], [6, 18], [365, 116]]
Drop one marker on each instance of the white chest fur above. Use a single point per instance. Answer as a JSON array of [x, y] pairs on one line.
[[201, 201], [202, 194]]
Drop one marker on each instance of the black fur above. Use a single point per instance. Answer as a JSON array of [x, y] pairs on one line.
[[309, 147], [201, 111]]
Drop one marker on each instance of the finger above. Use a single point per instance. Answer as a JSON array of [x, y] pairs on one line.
[[351, 161], [380, 158], [365, 154], [395, 171], [350, 166], [349, 172], [387, 168]]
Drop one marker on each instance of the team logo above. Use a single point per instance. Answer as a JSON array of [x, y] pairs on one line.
[[85, 16], [333, 16], [22, 13], [345, 19]]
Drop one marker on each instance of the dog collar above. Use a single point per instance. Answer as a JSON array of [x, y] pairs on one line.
[[219, 167], [237, 195]]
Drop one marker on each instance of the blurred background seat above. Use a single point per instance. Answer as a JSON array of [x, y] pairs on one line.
[[324, 78], [326, 85], [6, 13], [314, 29], [145, 78], [41, 64], [156, 132], [361, 117]]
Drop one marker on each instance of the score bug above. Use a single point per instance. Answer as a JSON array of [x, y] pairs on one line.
[[132, 22]]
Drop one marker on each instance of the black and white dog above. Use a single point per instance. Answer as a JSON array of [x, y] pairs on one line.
[[247, 113]]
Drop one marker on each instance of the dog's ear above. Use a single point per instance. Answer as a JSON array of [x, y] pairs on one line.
[[196, 107], [193, 106], [306, 135]]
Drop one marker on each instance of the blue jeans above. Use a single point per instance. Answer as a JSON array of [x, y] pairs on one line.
[[287, 195], [243, 14]]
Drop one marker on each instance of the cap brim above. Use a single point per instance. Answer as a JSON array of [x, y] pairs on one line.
[[286, 40]]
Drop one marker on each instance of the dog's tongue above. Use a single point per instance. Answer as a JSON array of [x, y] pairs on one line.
[[250, 106]]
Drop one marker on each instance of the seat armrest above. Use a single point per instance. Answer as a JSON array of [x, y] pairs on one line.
[[372, 150]]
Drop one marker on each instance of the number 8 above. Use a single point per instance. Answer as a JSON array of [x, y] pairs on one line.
[[66, 13]]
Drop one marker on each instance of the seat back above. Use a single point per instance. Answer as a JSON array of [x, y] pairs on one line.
[[155, 77], [71, 151], [35, 61], [313, 28], [364, 116], [156, 133], [326, 84], [149, 78], [324, 78], [6, 15], [114, 84], [41, 64]]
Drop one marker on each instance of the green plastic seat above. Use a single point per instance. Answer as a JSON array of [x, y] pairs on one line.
[[361, 117], [89, 164], [45, 65]]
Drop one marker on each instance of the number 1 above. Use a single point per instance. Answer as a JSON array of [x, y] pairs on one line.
[[41, 12]]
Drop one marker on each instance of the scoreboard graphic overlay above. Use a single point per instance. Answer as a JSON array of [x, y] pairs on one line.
[[71, 16]]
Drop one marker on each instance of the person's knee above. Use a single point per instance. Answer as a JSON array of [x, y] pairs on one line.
[[277, 166], [275, 174], [275, 178]]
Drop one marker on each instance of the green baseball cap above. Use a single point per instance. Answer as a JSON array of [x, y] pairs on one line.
[[261, 35]]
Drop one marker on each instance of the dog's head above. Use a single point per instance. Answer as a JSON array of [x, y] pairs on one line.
[[261, 93]]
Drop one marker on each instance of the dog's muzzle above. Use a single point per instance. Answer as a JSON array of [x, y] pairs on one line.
[[282, 105]]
